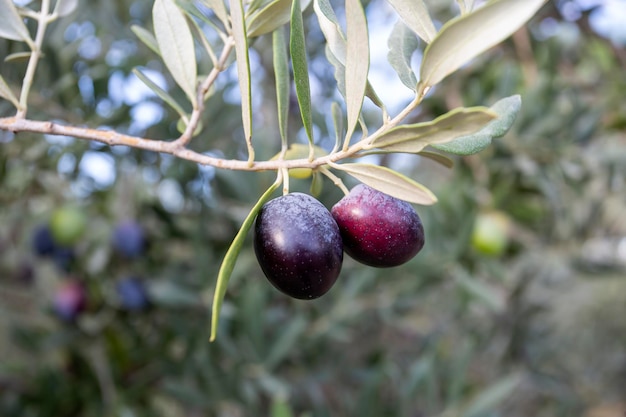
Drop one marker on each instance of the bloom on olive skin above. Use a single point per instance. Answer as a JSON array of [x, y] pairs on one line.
[[377, 229], [298, 245]]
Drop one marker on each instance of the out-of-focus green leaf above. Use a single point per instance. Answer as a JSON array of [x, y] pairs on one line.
[[243, 69], [170, 294], [147, 38], [402, 44], [357, 62], [65, 7], [415, 14], [175, 42], [219, 8], [11, 24], [228, 264], [469, 35], [506, 109], [492, 396], [297, 47], [285, 341], [162, 94], [389, 182], [18, 56], [6, 93], [413, 138], [281, 76], [482, 292], [280, 408]]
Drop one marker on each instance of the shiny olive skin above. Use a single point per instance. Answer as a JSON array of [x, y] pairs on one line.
[[298, 245], [377, 229]]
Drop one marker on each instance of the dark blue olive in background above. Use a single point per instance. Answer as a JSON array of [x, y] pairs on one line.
[[132, 294], [42, 241], [64, 258], [70, 299], [129, 239]]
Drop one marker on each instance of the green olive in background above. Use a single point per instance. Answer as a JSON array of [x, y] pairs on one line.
[[490, 235], [67, 225]]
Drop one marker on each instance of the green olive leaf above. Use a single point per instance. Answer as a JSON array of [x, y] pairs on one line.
[[415, 15], [175, 42], [467, 36], [270, 17], [219, 8], [402, 44], [228, 264], [336, 48], [415, 137], [492, 396], [6, 93], [297, 48], [162, 94], [389, 182], [506, 109], [243, 70], [147, 38], [281, 77], [65, 7], [357, 62], [437, 157], [11, 24]]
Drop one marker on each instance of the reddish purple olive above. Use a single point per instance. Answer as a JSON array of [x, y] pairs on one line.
[[377, 229], [298, 245]]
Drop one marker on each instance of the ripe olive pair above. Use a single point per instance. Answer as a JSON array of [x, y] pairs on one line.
[[299, 243]]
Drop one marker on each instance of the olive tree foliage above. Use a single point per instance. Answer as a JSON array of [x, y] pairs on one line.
[[185, 32]]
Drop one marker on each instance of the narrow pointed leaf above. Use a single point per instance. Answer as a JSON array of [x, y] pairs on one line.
[[243, 69], [219, 8], [467, 36], [402, 44], [336, 48], [162, 94], [65, 7], [297, 47], [415, 14], [6, 93], [338, 121], [228, 264], [491, 397], [357, 61], [506, 110], [281, 74], [272, 16], [176, 44], [456, 123], [389, 182], [437, 157], [18, 56], [11, 24], [147, 38]]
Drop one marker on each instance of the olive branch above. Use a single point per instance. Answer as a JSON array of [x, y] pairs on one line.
[[178, 28]]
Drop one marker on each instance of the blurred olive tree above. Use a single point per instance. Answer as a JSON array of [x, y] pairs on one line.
[[109, 254]]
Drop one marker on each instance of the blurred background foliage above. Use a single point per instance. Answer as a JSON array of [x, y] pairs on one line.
[[534, 326]]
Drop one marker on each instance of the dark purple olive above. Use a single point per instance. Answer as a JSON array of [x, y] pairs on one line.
[[128, 239], [43, 243], [377, 229], [70, 300], [298, 245], [132, 294]]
